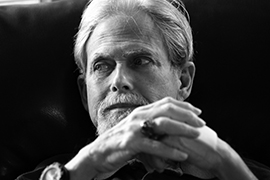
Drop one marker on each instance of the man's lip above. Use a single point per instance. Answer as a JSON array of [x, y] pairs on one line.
[[122, 106]]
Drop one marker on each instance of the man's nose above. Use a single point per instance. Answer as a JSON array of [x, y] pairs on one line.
[[122, 79]]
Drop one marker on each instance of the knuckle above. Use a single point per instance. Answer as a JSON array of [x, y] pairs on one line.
[[135, 115], [159, 121], [168, 107], [168, 99], [154, 144], [189, 106], [190, 114], [136, 110], [140, 108]]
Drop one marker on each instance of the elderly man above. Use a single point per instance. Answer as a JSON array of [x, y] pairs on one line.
[[135, 57]]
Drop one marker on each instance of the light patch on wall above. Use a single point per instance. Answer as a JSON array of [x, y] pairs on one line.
[[55, 113], [21, 2]]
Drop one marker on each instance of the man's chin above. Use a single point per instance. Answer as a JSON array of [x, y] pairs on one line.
[[111, 118]]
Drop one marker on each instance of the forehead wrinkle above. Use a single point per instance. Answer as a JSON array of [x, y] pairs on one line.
[[138, 51], [130, 24], [139, 29], [144, 32], [102, 55], [106, 53], [105, 50]]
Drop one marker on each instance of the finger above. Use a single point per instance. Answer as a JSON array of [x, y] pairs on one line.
[[159, 149], [178, 103], [177, 113], [175, 142], [146, 160], [159, 164], [152, 162], [164, 125], [182, 104]]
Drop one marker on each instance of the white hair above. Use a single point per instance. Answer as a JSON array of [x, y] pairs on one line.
[[169, 16]]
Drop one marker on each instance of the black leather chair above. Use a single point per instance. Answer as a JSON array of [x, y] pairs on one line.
[[41, 112]]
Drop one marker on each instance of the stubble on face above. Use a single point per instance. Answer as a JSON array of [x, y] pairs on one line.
[[153, 81], [116, 107]]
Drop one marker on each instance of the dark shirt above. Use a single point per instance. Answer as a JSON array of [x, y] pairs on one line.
[[136, 171]]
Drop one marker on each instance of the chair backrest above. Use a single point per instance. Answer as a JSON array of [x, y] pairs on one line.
[[41, 111]]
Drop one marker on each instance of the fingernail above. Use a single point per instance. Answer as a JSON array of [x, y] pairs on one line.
[[183, 156], [159, 170], [198, 111], [201, 122], [195, 133]]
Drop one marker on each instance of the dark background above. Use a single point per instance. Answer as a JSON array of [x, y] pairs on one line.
[[40, 107], [232, 83]]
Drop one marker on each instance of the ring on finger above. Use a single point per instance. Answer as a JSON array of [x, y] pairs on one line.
[[147, 129]]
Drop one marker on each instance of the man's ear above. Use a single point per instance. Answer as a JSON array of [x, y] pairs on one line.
[[186, 76], [83, 92]]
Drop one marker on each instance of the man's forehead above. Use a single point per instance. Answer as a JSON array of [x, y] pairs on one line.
[[124, 30], [138, 26]]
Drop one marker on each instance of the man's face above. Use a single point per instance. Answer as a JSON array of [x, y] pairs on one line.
[[127, 66]]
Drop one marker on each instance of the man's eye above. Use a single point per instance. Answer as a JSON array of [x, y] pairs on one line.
[[102, 67], [140, 61]]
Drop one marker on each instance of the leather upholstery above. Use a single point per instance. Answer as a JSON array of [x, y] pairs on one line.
[[41, 111]]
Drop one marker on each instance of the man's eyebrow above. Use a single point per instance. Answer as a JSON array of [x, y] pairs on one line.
[[98, 56], [135, 52]]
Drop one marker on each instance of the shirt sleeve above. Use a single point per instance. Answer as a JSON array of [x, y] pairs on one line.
[[35, 174], [261, 171], [32, 175]]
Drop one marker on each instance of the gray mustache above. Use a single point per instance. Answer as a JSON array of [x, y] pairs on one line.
[[130, 98]]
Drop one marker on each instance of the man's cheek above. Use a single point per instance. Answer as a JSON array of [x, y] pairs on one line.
[[93, 112], [153, 94]]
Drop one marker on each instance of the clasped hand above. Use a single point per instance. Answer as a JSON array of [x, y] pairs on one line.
[[188, 139]]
